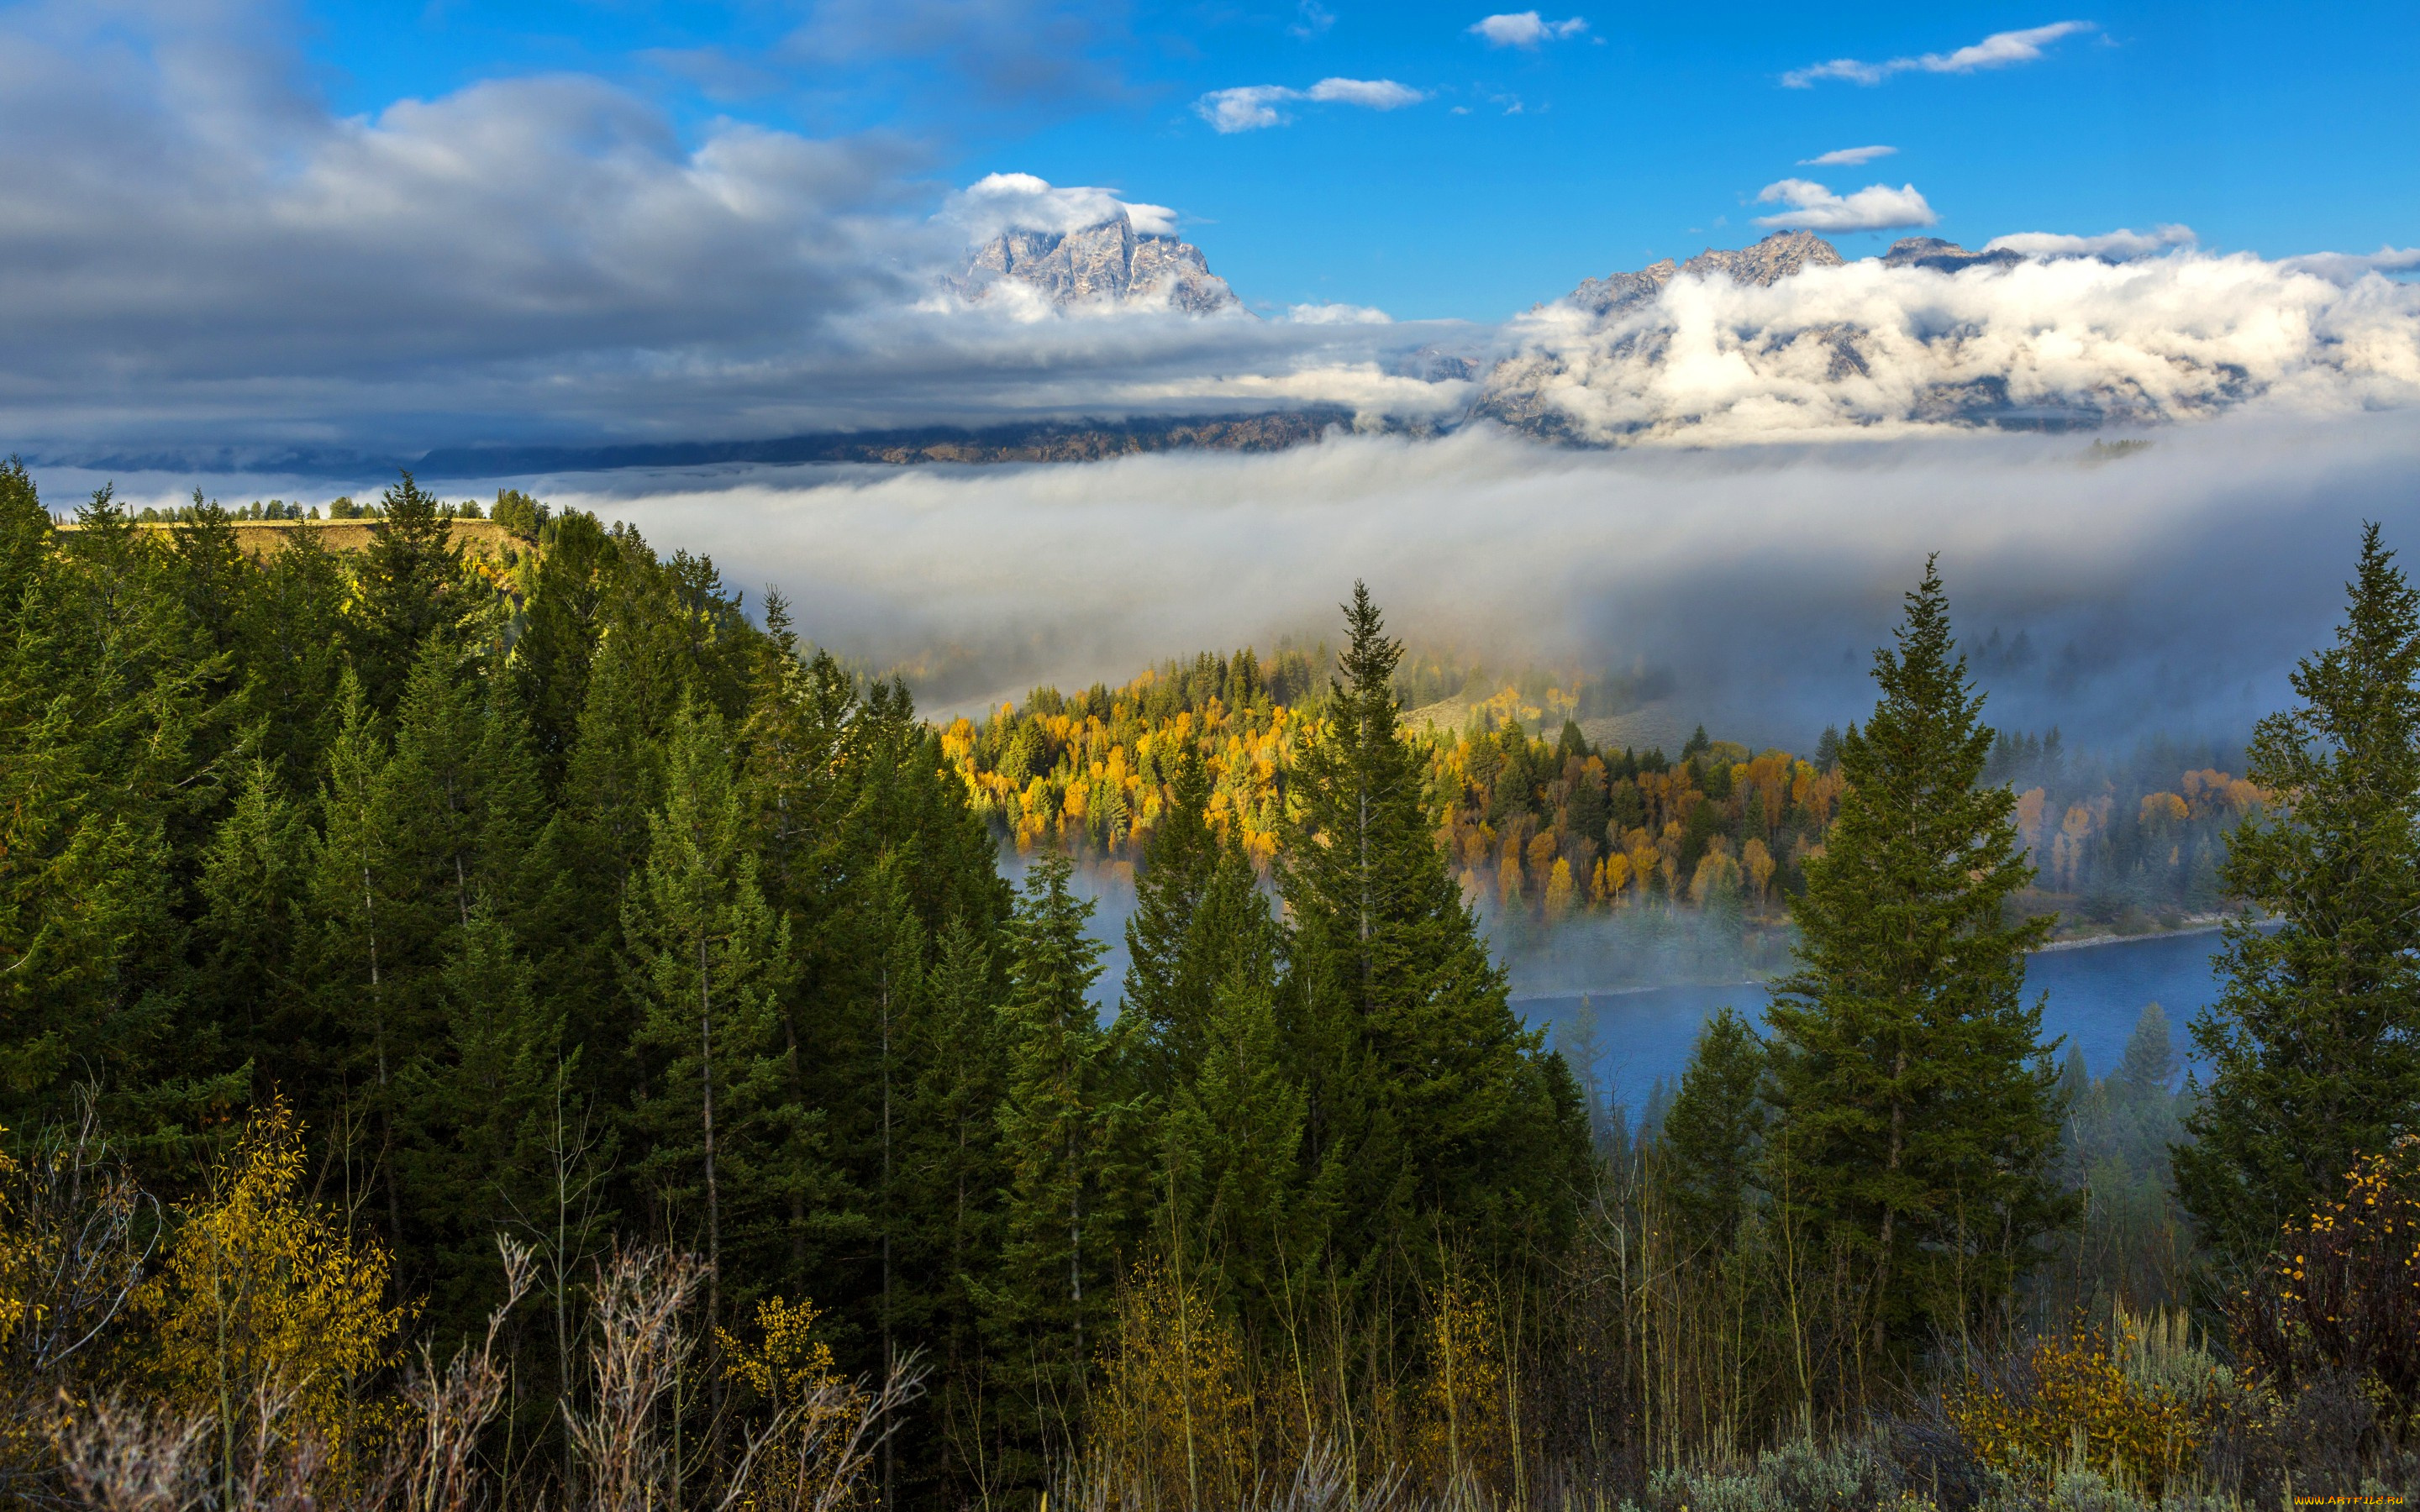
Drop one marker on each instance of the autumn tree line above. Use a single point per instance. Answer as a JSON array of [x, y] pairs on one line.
[[1541, 831], [482, 1032]]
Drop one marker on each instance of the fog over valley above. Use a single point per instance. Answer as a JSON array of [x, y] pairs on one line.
[[2157, 582]]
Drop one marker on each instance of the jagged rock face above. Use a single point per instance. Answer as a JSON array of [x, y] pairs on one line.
[[1107, 263], [1765, 264], [1943, 256]]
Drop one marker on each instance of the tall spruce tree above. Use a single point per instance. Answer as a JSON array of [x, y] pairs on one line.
[[2314, 1042], [708, 958], [950, 1178], [98, 711], [1714, 1133], [1059, 1120], [406, 588], [1168, 980], [1917, 1125], [1431, 1107]]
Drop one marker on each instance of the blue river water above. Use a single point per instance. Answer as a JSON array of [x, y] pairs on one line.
[[2095, 994]]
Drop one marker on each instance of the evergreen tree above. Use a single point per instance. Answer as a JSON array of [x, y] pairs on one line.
[[1166, 987], [708, 956], [1916, 1125], [1057, 1127], [2149, 1064], [406, 588], [361, 1009], [252, 958], [2314, 1042], [481, 1109], [1234, 1141], [102, 705], [563, 625], [1714, 1133], [1429, 1101], [950, 1176]]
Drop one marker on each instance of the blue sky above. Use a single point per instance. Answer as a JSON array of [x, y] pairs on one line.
[[1522, 169]]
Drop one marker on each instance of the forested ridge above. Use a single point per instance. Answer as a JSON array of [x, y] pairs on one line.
[[513, 1027]]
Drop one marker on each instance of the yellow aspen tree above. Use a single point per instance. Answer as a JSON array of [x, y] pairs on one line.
[[1755, 858], [264, 1297], [1558, 890]]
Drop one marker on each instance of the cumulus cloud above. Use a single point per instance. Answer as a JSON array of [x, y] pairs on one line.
[[1848, 157], [1814, 208], [1253, 107], [2116, 246], [196, 253], [1020, 201], [1998, 51], [187, 219], [1526, 29], [1868, 350], [1245, 108]]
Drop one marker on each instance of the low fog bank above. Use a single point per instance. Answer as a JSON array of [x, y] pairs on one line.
[[2117, 588], [1633, 950], [2166, 587]]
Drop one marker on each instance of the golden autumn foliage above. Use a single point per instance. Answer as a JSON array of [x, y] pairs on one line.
[[786, 1364], [1466, 1425], [1089, 774], [2341, 1296], [2076, 1405], [264, 1294], [1174, 1410], [21, 1251], [2163, 807]]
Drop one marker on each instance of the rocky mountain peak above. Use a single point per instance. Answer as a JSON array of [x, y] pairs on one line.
[[1942, 256], [1775, 259], [1107, 262]]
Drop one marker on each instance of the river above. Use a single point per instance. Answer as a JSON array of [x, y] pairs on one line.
[[2094, 995]]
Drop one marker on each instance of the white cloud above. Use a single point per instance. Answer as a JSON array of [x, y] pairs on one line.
[[1848, 157], [1248, 108], [2115, 246], [1526, 29], [1337, 314], [1373, 94], [1998, 51], [2346, 267], [1862, 348], [1253, 107], [1814, 208], [1020, 201]]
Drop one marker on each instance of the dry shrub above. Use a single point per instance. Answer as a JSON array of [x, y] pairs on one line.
[[620, 1447], [432, 1462], [75, 1234]]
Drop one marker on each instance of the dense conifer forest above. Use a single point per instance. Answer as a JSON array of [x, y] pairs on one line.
[[489, 1019]]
